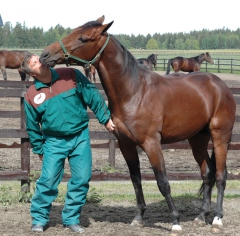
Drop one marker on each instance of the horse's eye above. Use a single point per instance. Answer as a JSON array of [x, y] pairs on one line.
[[83, 39]]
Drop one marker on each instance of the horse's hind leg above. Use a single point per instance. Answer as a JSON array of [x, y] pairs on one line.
[[221, 141], [130, 154], [199, 145], [24, 77]]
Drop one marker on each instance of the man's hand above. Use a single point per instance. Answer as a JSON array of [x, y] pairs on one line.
[[40, 157], [110, 126]]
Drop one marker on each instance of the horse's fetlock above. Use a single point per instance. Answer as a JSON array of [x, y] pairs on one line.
[[176, 217]]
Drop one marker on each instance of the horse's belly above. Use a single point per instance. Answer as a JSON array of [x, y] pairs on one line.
[[182, 129]]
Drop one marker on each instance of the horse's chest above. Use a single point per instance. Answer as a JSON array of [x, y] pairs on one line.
[[122, 131]]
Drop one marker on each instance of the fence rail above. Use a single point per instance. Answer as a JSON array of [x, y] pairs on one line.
[[220, 65], [17, 89]]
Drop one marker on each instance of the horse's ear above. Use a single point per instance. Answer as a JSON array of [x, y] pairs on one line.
[[107, 26], [101, 19]]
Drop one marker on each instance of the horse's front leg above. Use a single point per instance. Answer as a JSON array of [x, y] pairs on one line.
[[155, 155], [22, 75], [130, 154], [3, 69]]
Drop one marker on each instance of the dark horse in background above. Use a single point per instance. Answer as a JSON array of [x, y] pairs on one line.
[[191, 64], [12, 60], [90, 72], [149, 62], [149, 110]]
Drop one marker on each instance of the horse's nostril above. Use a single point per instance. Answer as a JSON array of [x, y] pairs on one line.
[[43, 56]]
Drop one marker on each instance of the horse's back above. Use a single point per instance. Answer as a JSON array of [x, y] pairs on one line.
[[197, 78], [192, 100], [206, 86], [14, 58]]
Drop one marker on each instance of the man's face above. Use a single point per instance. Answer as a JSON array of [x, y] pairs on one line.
[[36, 66]]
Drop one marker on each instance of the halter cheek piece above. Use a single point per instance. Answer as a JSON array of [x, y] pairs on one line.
[[87, 63]]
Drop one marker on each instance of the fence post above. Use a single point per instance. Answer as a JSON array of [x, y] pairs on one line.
[[218, 66], [231, 65], [206, 66], [25, 151], [112, 151]]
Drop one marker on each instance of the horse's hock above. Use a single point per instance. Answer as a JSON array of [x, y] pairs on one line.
[[179, 161]]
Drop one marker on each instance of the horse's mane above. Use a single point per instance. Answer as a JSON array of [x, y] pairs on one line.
[[130, 62], [88, 25], [198, 56]]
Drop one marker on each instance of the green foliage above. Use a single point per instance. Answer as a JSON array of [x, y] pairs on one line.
[[24, 197], [93, 196], [179, 44], [152, 44], [107, 168], [6, 198], [21, 36]]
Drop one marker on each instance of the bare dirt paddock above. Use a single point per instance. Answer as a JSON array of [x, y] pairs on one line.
[[114, 218]]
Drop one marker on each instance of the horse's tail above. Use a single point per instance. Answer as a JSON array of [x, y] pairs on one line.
[[168, 66], [211, 162]]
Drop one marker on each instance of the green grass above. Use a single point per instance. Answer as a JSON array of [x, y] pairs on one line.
[[117, 191]]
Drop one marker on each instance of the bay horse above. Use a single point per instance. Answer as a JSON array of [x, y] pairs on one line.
[[149, 62], [12, 60], [191, 64], [149, 110], [90, 72]]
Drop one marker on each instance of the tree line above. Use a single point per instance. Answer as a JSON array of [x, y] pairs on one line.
[[21, 36]]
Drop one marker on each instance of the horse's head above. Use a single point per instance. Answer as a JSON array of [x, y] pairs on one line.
[[83, 43], [153, 59], [208, 58]]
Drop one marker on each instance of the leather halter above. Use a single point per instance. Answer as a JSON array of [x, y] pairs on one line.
[[88, 63]]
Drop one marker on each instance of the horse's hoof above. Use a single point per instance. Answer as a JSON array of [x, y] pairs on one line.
[[176, 230], [137, 223], [199, 223], [217, 226]]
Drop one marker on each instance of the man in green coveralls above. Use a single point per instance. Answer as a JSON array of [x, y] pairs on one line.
[[57, 125]]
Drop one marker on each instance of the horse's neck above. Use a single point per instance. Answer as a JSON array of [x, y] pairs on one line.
[[117, 77], [201, 58]]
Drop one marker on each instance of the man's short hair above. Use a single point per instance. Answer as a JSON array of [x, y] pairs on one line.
[[25, 63]]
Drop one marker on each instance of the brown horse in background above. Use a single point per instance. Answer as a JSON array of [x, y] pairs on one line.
[[149, 62], [149, 110], [188, 64], [90, 72], [12, 60]]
